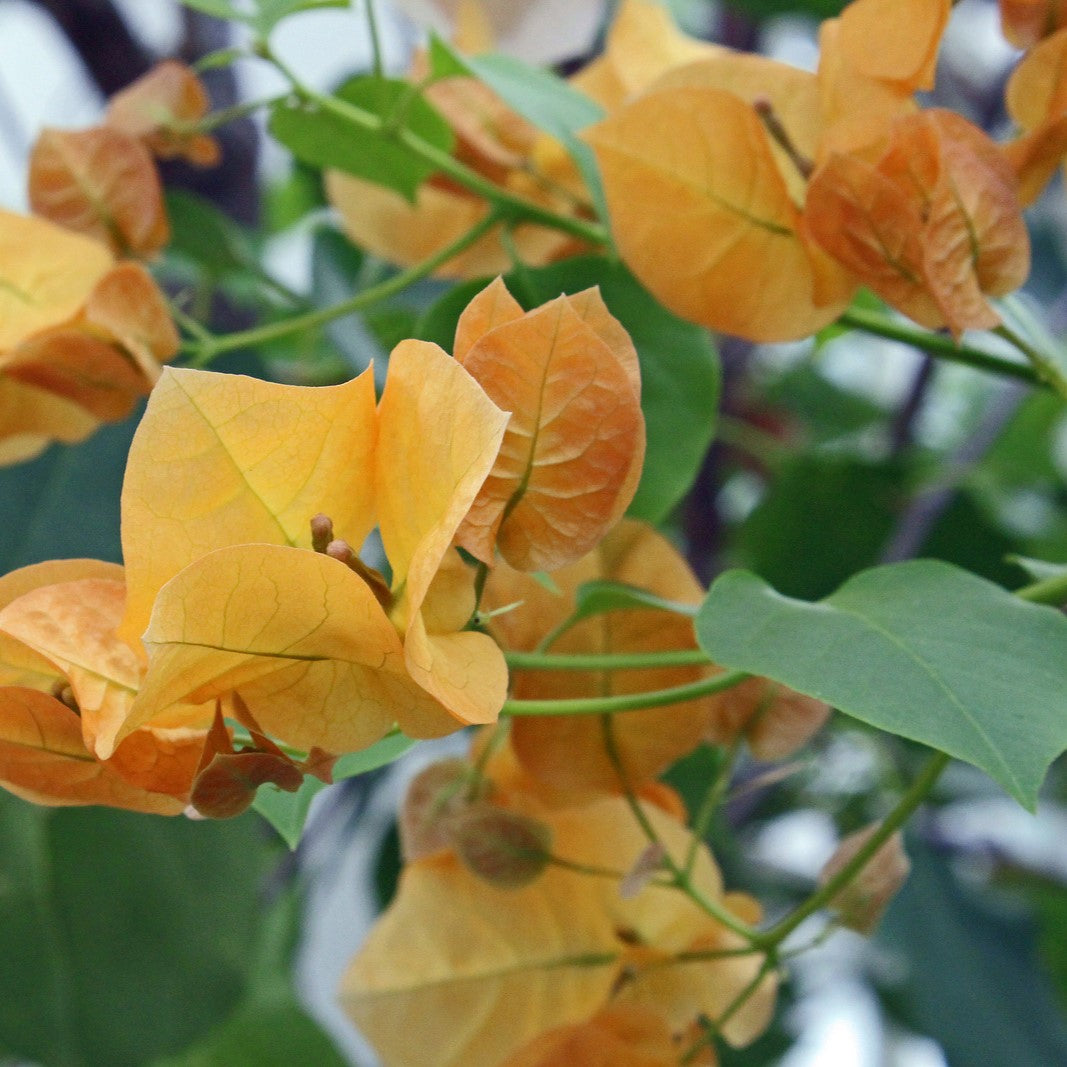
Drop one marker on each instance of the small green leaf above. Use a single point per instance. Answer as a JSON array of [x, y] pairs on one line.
[[221, 57], [540, 97], [598, 598], [1039, 570], [287, 812], [920, 649], [205, 235], [221, 9], [324, 139], [445, 61], [262, 15]]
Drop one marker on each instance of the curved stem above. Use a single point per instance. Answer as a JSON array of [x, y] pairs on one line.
[[938, 345], [610, 705], [207, 347], [1046, 369], [620, 661], [680, 878], [907, 804], [509, 205]]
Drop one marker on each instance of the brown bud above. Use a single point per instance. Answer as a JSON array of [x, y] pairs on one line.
[[436, 795], [861, 904], [504, 848], [321, 532], [645, 867]]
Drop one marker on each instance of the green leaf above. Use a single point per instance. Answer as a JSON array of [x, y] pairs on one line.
[[268, 1028], [445, 61], [262, 15], [600, 597], [125, 937], [920, 649], [205, 235], [221, 57], [970, 973], [287, 812], [42, 497], [823, 517], [1038, 569], [324, 139], [541, 98]]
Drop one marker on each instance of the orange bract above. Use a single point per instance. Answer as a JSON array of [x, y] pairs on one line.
[[568, 374], [159, 108], [228, 472], [933, 226], [564, 952], [1025, 22], [58, 652], [692, 168], [569, 752], [895, 40], [103, 183], [80, 337]]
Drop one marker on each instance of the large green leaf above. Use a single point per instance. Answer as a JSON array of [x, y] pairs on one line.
[[824, 516], [969, 972], [65, 503], [920, 649], [125, 937], [324, 139], [268, 1028]]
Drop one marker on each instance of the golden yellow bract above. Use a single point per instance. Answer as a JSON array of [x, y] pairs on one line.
[[224, 477], [81, 337], [558, 952]]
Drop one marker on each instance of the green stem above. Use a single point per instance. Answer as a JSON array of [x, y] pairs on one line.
[[620, 661], [207, 348], [375, 39], [710, 804], [1046, 369], [657, 698], [1052, 591], [215, 119], [508, 205], [938, 345], [826, 893], [731, 1009], [679, 878]]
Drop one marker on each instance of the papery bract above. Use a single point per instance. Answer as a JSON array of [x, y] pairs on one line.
[[100, 182], [158, 109], [895, 40], [569, 752], [57, 636], [861, 904], [240, 462], [572, 454], [933, 226], [1025, 22], [692, 168], [553, 953], [81, 338]]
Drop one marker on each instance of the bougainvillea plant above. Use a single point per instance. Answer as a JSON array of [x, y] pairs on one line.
[[482, 533]]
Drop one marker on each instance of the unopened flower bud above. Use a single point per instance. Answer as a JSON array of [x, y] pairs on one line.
[[861, 904], [504, 848], [321, 532]]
